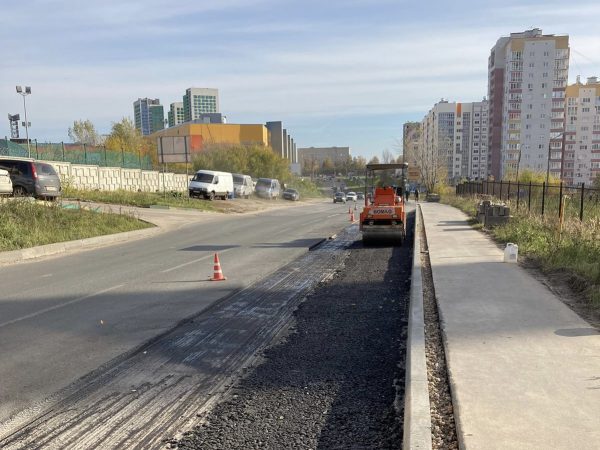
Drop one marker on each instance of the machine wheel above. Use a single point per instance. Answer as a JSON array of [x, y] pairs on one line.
[[211, 196]]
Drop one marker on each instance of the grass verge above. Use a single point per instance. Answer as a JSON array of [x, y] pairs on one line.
[[25, 224], [139, 199], [573, 255], [306, 188]]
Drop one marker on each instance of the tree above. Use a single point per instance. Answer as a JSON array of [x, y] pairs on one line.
[[374, 160], [255, 160], [124, 136], [328, 166], [387, 157], [434, 169], [596, 182], [84, 132]]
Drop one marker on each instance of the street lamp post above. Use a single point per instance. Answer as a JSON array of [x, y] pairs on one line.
[[25, 93]]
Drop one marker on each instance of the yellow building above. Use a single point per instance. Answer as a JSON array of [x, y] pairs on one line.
[[182, 142]]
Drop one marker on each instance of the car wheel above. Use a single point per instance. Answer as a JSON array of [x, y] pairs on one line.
[[211, 196], [19, 191]]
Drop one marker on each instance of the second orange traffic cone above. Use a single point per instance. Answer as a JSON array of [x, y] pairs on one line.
[[351, 216], [218, 274]]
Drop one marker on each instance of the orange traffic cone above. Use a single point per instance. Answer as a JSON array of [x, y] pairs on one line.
[[218, 275], [349, 209], [351, 216]]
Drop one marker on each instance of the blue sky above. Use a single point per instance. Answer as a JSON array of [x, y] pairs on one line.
[[345, 73]]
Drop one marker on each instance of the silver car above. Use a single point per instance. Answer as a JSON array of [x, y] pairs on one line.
[[6, 187]]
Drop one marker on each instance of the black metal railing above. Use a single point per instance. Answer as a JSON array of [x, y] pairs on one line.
[[560, 200]]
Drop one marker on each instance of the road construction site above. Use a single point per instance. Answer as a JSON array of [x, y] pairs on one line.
[[324, 344], [339, 359]]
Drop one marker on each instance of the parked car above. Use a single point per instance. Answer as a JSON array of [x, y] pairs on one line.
[[291, 194], [30, 177], [339, 197], [351, 196], [360, 196], [211, 184], [268, 188], [6, 187], [242, 185]]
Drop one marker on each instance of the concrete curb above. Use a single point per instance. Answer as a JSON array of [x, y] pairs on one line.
[[417, 412], [16, 256]]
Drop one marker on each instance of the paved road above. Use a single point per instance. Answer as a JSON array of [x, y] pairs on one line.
[[61, 318]]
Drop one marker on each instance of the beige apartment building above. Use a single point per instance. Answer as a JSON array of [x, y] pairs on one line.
[[527, 78], [582, 134], [455, 136]]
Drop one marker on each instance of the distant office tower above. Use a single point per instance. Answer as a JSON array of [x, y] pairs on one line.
[[582, 135], [454, 137], [149, 115], [176, 114], [527, 78], [198, 101]]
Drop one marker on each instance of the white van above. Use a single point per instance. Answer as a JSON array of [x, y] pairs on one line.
[[211, 184], [243, 185], [268, 188]]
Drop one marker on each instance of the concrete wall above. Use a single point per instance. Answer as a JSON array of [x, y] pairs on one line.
[[113, 178]]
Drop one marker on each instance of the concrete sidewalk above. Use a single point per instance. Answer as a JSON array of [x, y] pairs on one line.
[[524, 369]]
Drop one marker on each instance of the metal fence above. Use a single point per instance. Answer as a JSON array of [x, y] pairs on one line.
[[559, 200], [78, 154]]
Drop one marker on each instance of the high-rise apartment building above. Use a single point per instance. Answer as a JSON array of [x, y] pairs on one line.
[[149, 115], [527, 78], [198, 101], [455, 136], [176, 116], [581, 163]]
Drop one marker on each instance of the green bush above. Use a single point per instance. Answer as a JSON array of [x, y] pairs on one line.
[[256, 161]]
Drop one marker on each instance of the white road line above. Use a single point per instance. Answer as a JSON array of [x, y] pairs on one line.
[[62, 305], [194, 261], [333, 215]]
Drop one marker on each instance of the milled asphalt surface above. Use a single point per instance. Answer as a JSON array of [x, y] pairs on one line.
[[136, 401], [64, 316], [336, 380], [524, 369]]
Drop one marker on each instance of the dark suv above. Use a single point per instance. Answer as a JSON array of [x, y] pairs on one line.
[[31, 177]]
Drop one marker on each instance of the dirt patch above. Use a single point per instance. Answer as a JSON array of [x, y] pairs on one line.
[[255, 204]]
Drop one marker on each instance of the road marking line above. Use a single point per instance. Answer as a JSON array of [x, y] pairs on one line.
[[194, 261], [52, 308]]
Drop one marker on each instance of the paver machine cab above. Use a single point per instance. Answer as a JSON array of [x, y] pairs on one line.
[[383, 219]]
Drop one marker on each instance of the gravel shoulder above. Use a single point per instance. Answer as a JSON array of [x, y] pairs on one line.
[[334, 379]]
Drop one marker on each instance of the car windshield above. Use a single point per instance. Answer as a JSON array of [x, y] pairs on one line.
[[290, 191], [203, 177], [263, 183], [44, 169]]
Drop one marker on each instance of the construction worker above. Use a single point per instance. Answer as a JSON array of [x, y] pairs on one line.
[[416, 195]]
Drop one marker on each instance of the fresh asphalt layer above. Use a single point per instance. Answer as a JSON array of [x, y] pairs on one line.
[[65, 316], [524, 369]]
